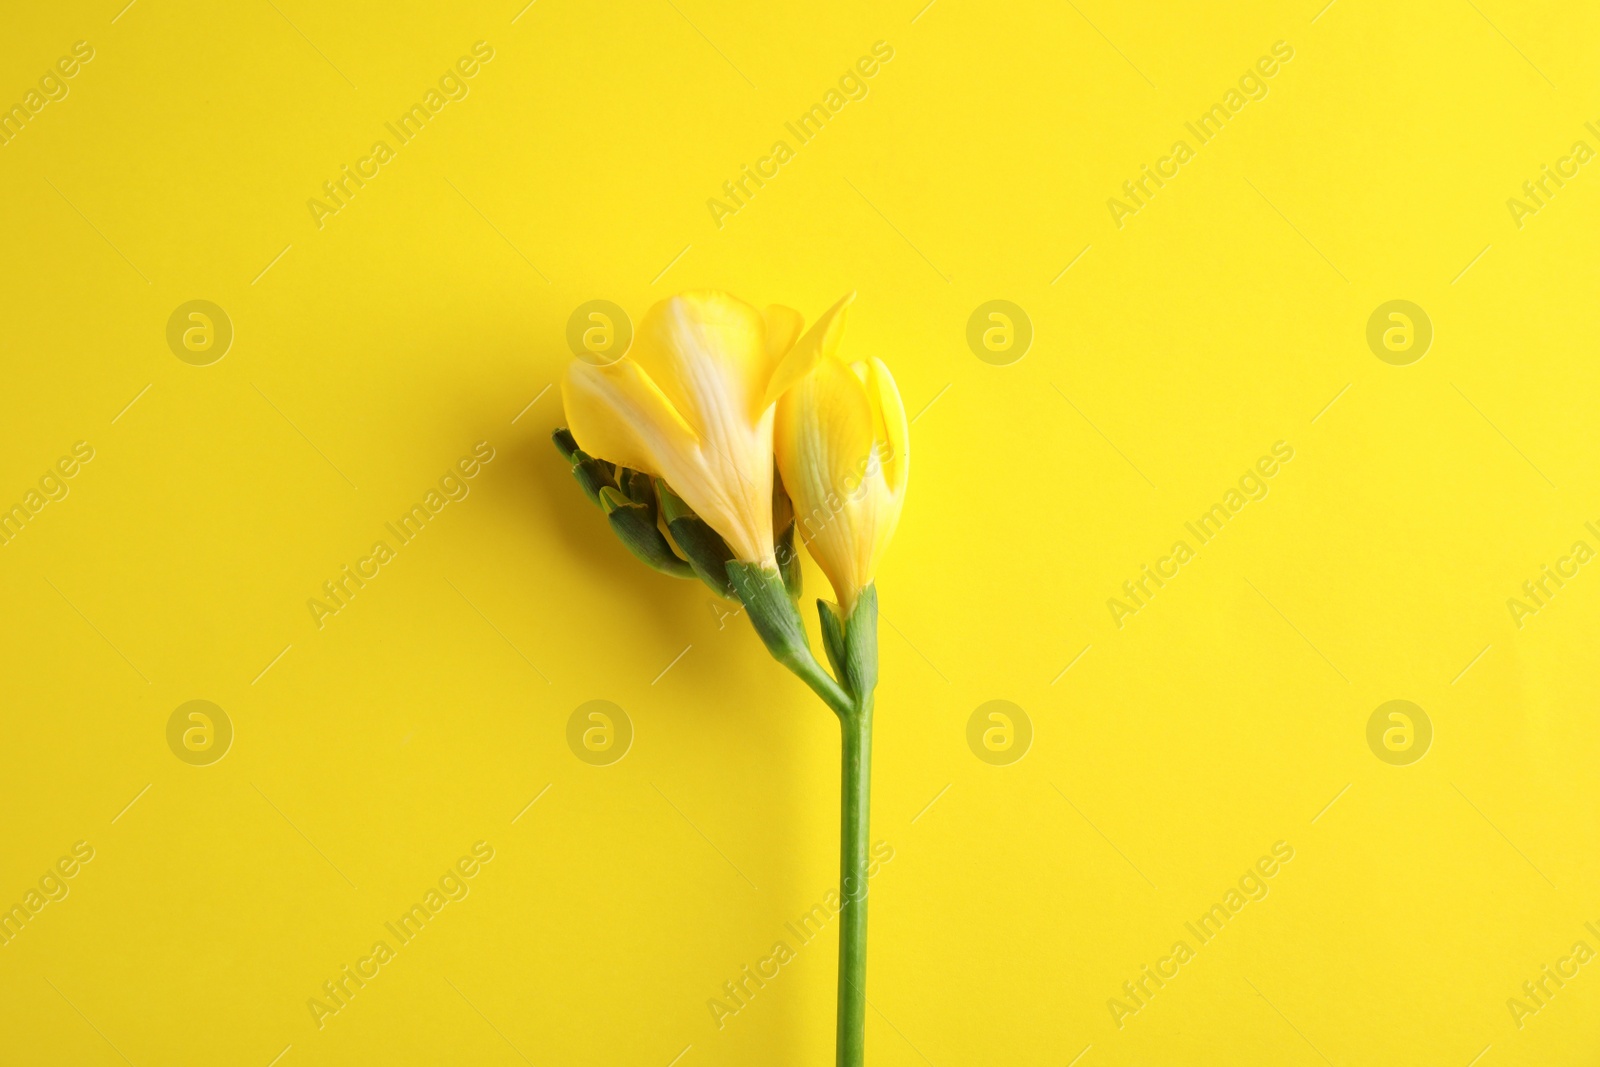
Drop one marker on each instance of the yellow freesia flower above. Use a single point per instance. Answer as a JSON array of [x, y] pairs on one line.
[[691, 403], [842, 445], [713, 394]]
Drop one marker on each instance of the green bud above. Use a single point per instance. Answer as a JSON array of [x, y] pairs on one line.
[[639, 487], [593, 474], [635, 525], [672, 505], [707, 552], [567, 444]]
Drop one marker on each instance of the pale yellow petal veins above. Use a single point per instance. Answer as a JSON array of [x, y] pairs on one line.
[[617, 413], [843, 424], [707, 351]]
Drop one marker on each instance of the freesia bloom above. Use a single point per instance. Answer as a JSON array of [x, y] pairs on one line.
[[691, 403], [713, 394], [841, 442]]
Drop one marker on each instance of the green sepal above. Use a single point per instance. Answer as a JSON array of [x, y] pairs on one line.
[[860, 673], [772, 613], [707, 552], [852, 644], [777, 620], [832, 635], [635, 525]]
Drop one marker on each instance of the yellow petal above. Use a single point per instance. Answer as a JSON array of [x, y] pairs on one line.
[[823, 442], [783, 327], [617, 413], [824, 433], [819, 343], [891, 428], [707, 352]]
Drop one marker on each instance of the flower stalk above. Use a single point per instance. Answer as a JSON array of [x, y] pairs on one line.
[[855, 789], [860, 668], [851, 643]]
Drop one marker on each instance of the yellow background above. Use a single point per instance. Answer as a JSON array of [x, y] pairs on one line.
[[429, 312]]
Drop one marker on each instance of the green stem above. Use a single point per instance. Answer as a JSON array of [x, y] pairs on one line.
[[853, 649], [808, 670], [854, 827]]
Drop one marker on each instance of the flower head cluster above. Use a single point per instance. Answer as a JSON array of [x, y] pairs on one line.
[[679, 441]]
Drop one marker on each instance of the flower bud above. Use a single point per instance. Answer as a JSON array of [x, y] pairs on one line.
[[841, 441]]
